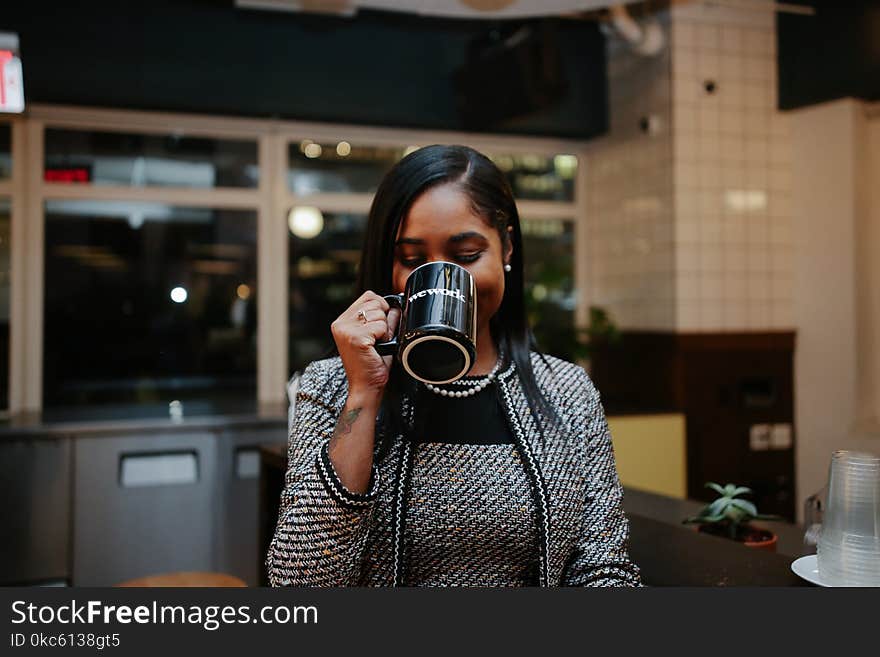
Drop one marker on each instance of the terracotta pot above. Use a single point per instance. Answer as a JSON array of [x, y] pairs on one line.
[[757, 537], [767, 542]]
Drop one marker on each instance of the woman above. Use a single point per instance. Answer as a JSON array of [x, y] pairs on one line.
[[513, 483]]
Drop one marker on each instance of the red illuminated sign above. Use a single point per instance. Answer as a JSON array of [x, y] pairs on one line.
[[68, 175]]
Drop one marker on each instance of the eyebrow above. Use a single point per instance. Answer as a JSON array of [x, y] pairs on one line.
[[455, 238], [463, 236]]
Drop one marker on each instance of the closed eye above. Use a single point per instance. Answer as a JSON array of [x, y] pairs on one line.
[[469, 257]]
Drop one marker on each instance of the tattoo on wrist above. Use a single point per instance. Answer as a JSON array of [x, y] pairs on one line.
[[343, 426]]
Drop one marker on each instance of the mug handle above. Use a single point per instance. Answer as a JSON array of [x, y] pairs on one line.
[[389, 348]]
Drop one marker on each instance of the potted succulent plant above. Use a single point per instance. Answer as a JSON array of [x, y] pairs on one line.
[[730, 516]]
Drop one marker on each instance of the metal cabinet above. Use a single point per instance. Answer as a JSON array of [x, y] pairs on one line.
[[143, 504], [237, 543], [35, 476], [93, 507]]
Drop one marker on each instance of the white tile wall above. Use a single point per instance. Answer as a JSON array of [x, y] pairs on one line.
[[731, 172], [691, 227]]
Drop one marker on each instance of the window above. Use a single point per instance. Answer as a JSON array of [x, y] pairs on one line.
[[6, 198], [338, 167], [5, 226], [146, 160], [5, 151], [148, 303], [325, 249], [548, 247], [539, 177]]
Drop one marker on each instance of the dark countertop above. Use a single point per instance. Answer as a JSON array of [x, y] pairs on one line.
[[672, 511], [117, 419], [673, 556]]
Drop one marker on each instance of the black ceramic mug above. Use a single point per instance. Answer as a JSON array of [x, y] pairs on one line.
[[436, 338]]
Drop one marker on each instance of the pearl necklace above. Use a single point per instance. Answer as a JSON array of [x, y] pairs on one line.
[[480, 384]]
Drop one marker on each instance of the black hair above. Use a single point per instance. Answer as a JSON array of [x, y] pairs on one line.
[[491, 197]]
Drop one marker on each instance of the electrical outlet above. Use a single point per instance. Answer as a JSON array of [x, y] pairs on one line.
[[780, 436], [759, 437]]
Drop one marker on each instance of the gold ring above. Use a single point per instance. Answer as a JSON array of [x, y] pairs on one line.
[[362, 316]]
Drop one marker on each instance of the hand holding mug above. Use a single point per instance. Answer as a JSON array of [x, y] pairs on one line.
[[430, 327], [356, 331]]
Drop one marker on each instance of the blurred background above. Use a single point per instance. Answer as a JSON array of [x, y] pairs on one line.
[[184, 195]]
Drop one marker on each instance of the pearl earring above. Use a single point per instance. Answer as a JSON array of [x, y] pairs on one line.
[[507, 267]]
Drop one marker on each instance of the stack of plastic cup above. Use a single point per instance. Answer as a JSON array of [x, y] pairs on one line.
[[849, 546]]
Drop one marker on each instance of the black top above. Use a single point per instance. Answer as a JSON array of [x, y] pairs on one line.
[[475, 420]]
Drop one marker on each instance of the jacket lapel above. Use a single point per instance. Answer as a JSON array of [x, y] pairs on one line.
[[525, 434]]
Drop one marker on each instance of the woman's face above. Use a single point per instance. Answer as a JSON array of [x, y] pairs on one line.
[[442, 225]]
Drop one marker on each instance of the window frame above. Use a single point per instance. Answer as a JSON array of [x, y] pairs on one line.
[[271, 200]]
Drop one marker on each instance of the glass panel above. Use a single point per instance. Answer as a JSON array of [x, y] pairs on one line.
[[548, 247], [5, 214], [540, 177], [338, 166], [149, 303], [328, 167], [323, 270], [5, 151], [114, 159]]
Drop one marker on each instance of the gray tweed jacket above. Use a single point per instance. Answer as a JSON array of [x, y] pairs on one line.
[[329, 536]]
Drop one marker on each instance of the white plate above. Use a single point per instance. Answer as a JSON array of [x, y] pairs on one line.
[[808, 568]]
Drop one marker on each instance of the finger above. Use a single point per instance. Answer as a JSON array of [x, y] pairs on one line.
[[393, 321], [363, 315], [367, 297], [375, 306], [370, 315], [368, 335], [378, 329], [370, 296]]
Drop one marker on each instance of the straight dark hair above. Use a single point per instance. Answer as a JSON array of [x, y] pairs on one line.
[[491, 197]]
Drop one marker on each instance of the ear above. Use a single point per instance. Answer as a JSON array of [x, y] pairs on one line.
[[508, 246]]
